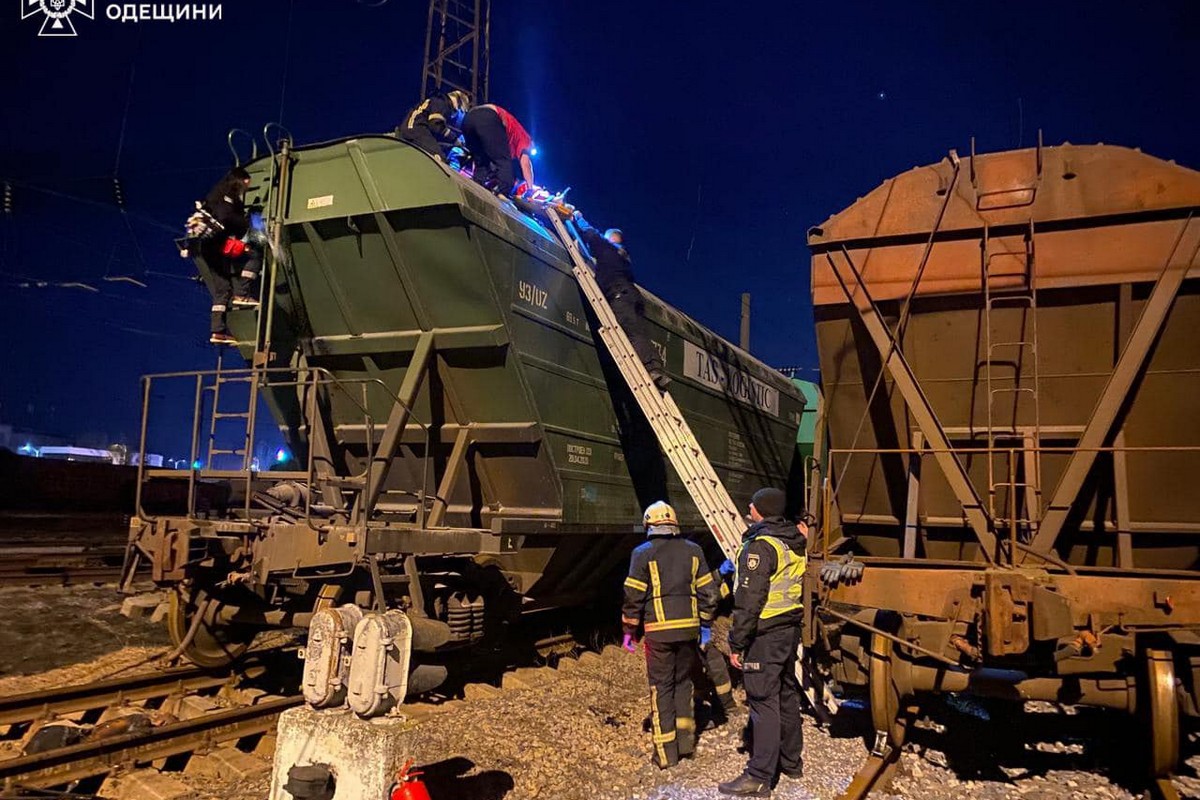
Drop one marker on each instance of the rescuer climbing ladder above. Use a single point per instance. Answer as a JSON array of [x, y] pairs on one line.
[[674, 435]]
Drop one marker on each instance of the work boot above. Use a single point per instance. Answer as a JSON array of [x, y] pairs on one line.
[[245, 302], [222, 337], [745, 785]]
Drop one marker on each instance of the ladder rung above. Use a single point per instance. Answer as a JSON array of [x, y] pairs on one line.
[[231, 415], [1014, 343], [227, 452], [1027, 299], [1014, 389]]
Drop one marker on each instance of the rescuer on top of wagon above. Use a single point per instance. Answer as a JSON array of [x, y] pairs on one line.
[[670, 595], [231, 248], [433, 124], [498, 144], [764, 640], [614, 275]]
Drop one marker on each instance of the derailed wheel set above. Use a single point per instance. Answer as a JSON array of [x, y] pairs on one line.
[[1010, 394], [1011, 387]]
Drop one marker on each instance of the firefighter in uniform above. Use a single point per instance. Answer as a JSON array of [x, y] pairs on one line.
[[670, 594], [432, 124], [764, 642]]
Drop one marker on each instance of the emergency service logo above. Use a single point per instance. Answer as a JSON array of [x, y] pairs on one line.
[[58, 14]]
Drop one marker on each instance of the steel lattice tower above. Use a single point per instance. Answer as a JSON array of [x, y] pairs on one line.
[[457, 53]]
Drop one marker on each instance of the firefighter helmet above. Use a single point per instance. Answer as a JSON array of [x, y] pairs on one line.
[[459, 100], [659, 514]]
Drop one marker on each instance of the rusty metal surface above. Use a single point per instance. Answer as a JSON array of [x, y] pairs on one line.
[[885, 230]]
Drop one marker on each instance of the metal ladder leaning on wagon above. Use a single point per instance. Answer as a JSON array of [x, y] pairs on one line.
[[672, 430]]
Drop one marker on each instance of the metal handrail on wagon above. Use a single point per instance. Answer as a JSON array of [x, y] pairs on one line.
[[313, 378]]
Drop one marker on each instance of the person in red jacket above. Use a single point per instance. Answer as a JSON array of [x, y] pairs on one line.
[[498, 144]]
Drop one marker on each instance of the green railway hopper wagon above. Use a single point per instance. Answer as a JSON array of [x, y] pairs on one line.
[[464, 446], [1011, 380]]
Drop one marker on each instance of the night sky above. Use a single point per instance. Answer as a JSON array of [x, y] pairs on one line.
[[713, 133]]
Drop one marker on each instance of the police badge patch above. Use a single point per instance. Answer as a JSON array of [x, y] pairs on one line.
[[752, 561]]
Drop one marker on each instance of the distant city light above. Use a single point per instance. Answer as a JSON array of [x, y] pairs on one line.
[[533, 151], [281, 455], [197, 464]]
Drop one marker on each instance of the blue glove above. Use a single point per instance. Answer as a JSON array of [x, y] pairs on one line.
[[705, 635], [726, 568]]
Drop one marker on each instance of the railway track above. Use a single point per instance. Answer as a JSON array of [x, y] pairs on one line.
[[196, 721], [60, 566]]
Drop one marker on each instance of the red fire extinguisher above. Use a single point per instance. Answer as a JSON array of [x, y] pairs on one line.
[[408, 785]]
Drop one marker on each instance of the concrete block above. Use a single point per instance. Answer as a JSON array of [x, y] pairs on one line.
[[365, 755], [227, 764], [421, 711], [611, 651], [266, 746], [589, 659], [146, 784], [194, 706], [140, 605], [480, 691], [512, 682], [537, 676]]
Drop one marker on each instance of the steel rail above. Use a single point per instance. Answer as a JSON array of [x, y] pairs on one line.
[[144, 686], [66, 764]]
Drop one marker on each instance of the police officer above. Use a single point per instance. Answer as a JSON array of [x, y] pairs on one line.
[[614, 276], [669, 594], [764, 639], [432, 123]]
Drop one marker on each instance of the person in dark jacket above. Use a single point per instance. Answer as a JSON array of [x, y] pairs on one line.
[[764, 641], [670, 595], [716, 672], [432, 124], [233, 264], [614, 275], [498, 144]]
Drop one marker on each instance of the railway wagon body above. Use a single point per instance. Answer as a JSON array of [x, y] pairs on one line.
[[464, 445], [1012, 387]]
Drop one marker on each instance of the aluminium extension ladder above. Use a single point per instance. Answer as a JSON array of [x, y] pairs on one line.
[[674, 435], [677, 440]]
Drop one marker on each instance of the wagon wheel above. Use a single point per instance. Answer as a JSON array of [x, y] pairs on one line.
[[1162, 712], [891, 711], [888, 715], [214, 644]]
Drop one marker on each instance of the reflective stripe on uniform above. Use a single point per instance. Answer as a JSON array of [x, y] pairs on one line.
[[634, 583], [685, 723], [704, 580], [659, 614], [695, 569], [217, 307], [673, 624], [724, 688], [246, 273], [786, 589], [412, 118], [658, 734]]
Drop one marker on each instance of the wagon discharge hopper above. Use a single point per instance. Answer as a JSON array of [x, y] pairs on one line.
[[464, 448], [1012, 388]]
